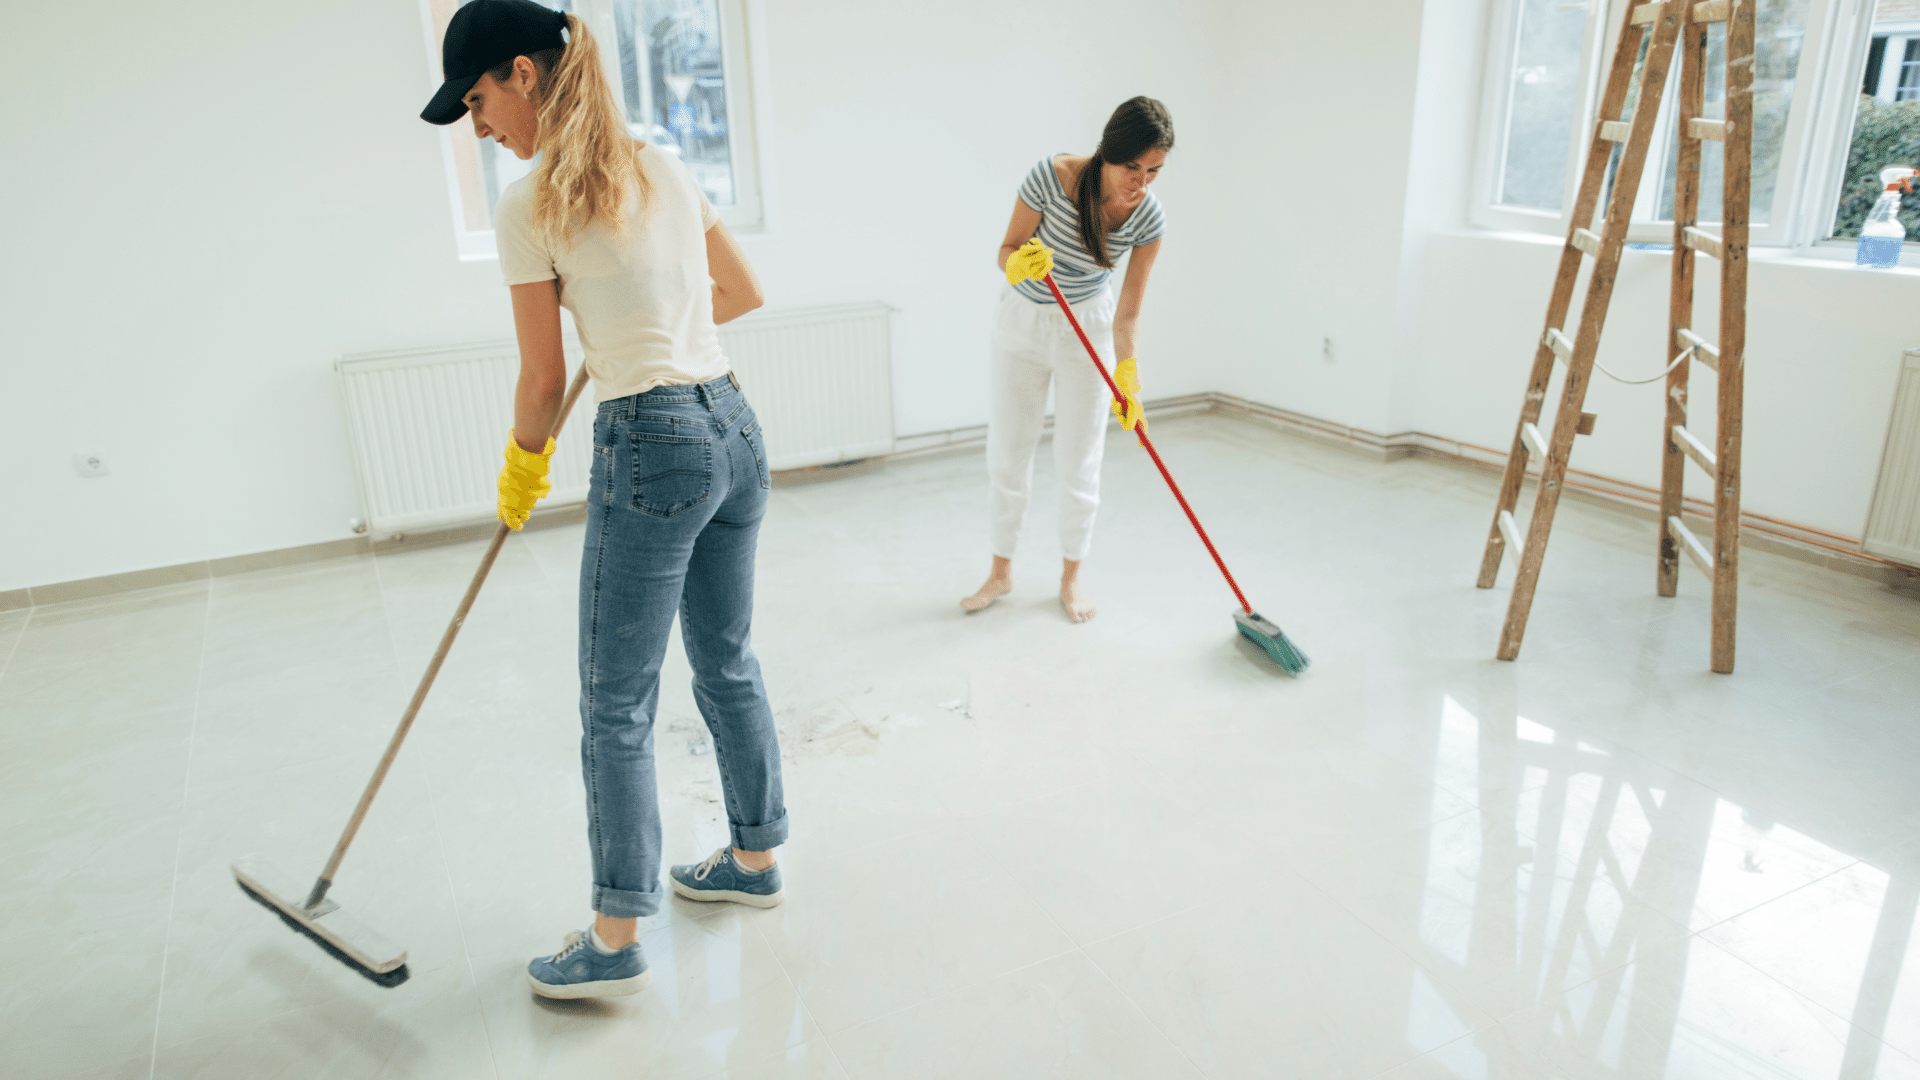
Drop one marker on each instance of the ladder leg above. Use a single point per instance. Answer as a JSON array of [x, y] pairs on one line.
[[1592, 181], [1733, 330], [1686, 211], [1540, 525], [1593, 311], [1517, 457]]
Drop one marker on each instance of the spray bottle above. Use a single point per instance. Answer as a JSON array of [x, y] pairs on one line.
[[1882, 235]]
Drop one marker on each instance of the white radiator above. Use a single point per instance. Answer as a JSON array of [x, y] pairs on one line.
[[820, 379], [427, 426], [1893, 524]]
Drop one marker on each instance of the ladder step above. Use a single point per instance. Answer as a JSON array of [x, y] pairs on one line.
[[1701, 556], [1616, 130], [1707, 129], [1561, 344], [1704, 242], [1512, 532], [1645, 13], [1536, 446], [1696, 450], [1713, 11], [1702, 351], [1588, 241]]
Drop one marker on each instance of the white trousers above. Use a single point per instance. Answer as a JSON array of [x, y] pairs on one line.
[[1033, 346]]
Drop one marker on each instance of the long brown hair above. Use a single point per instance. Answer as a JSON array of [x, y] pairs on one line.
[[587, 156], [1140, 124]]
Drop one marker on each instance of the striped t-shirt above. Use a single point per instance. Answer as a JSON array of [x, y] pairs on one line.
[[1074, 270]]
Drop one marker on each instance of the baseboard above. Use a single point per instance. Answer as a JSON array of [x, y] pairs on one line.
[[1833, 551], [1801, 542], [350, 547]]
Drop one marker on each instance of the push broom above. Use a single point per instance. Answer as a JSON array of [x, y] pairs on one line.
[[1035, 256], [310, 911]]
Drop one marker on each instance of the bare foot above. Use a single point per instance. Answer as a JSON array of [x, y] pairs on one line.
[[1071, 600], [999, 583]]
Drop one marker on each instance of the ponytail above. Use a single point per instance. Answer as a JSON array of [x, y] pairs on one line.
[[588, 158], [1093, 210], [1140, 124]]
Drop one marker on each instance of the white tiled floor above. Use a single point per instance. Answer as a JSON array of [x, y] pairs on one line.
[[1021, 847]]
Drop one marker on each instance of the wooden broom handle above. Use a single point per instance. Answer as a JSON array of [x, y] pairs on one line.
[[325, 880]]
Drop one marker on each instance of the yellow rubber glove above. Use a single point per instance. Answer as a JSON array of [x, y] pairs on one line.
[[1126, 376], [523, 482], [1032, 259]]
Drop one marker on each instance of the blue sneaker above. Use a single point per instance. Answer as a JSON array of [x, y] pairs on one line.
[[581, 970], [722, 878]]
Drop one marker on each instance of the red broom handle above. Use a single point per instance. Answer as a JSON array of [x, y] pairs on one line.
[[1141, 434]]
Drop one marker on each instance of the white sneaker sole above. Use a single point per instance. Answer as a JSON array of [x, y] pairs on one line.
[[602, 988], [707, 896]]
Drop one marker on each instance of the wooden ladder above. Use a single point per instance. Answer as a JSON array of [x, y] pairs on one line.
[[1662, 26]]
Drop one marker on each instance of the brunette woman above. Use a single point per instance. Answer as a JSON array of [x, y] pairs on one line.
[[1091, 211]]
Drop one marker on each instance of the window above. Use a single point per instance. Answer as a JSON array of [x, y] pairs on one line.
[[1779, 38], [680, 68], [1544, 104], [1836, 89], [1543, 86]]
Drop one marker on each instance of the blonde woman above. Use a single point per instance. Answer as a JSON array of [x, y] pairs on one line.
[[618, 233]]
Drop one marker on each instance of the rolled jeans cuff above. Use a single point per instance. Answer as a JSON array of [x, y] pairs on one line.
[[759, 837], [625, 904]]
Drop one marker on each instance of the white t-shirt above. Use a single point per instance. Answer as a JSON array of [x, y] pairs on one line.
[[643, 307]]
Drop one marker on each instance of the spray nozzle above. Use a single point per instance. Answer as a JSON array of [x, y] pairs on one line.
[[1898, 178]]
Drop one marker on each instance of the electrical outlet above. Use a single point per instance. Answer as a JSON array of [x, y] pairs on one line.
[[1326, 349], [90, 463]]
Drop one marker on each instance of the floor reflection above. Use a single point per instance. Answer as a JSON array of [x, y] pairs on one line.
[[1621, 920]]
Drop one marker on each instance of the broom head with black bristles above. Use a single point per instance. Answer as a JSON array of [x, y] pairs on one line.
[[344, 937]]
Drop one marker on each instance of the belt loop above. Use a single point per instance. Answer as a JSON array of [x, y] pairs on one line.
[[706, 395]]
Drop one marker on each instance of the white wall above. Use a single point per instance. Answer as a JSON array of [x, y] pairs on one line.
[[1320, 98], [239, 193], [242, 193], [902, 133], [1824, 341], [1823, 354], [1355, 135]]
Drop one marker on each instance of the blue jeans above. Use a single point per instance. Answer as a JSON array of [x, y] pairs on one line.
[[679, 487]]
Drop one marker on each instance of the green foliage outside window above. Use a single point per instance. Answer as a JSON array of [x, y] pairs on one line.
[[1884, 133]]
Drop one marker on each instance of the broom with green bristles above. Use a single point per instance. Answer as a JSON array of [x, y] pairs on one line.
[[1035, 260]]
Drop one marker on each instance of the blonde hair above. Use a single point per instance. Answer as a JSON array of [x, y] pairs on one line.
[[587, 156]]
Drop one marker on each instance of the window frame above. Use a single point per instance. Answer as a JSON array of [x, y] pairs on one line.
[[740, 22], [1814, 147], [1496, 94], [1831, 138]]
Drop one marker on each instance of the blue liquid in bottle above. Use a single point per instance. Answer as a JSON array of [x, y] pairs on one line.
[[1882, 233], [1879, 252]]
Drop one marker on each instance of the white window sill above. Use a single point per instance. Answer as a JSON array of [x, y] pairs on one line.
[[1826, 255]]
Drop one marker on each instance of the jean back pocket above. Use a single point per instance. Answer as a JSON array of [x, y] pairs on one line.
[[670, 472]]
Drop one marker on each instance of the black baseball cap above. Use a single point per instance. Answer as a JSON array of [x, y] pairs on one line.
[[483, 34]]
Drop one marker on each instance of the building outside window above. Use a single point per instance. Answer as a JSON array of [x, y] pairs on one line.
[[681, 71], [1886, 119]]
